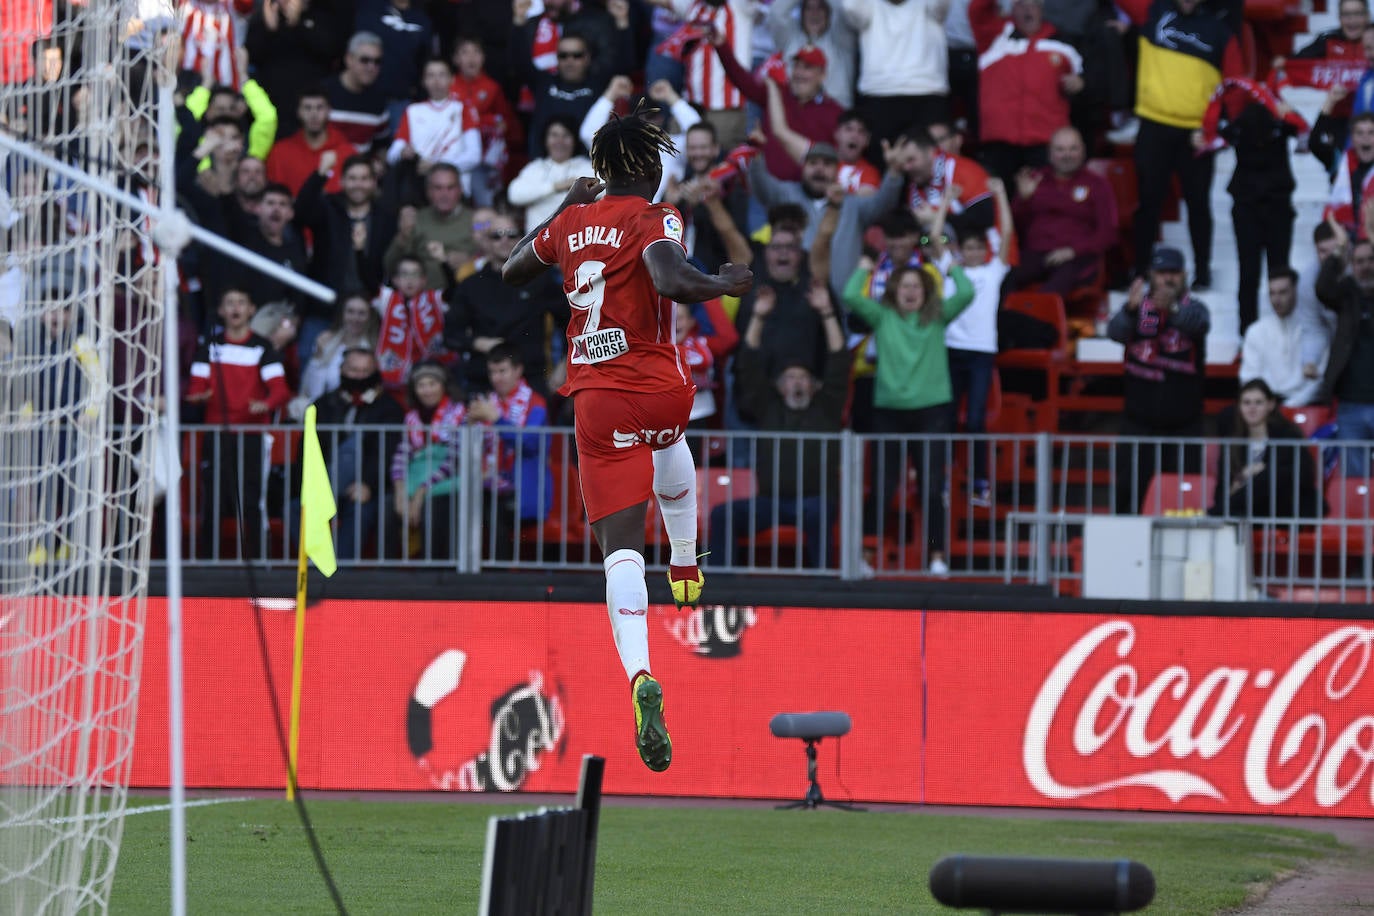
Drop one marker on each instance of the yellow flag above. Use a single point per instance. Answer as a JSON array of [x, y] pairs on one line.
[[317, 501]]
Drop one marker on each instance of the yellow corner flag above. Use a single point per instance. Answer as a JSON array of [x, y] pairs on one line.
[[317, 544], [317, 501]]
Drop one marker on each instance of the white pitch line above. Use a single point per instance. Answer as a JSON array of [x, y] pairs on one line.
[[146, 809]]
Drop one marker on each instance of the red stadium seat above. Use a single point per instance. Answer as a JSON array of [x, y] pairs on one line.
[[1053, 362], [1169, 492]]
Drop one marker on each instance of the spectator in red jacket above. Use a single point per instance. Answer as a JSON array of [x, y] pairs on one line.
[[239, 379], [1026, 77], [294, 157], [1065, 217], [500, 128]]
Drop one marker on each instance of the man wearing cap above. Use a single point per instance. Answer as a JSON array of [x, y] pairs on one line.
[[808, 110], [1165, 335]]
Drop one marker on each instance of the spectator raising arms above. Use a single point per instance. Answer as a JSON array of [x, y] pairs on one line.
[[797, 24], [1164, 331], [972, 337], [912, 390], [794, 475]]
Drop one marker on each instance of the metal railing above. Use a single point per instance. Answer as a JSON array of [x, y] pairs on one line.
[[999, 508]]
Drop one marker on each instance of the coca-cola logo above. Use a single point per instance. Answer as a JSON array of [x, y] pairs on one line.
[[525, 723], [712, 630], [1303, 728]]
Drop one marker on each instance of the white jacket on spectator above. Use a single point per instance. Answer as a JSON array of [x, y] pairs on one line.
[[1276, 349], [534, 188], [442, 131], [902, 49], [674, 167]]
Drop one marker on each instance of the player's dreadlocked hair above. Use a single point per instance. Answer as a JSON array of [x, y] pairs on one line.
[[626, 150]]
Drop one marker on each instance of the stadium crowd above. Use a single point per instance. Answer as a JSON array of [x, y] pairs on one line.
[[891, 170]]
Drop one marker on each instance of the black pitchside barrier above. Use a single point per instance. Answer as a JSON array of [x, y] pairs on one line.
[[1025, 885], [544, 862]]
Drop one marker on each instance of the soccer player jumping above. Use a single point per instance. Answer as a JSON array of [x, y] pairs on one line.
[[624, 265]]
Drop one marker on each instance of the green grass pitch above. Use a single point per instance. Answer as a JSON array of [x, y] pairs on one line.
[[404, 857]]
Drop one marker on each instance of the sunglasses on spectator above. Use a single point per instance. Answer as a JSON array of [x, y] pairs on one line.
[[504, 234], [571, 55], [931, 240], [370, 61]]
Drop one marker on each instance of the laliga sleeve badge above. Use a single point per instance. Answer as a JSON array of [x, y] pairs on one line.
[[672, 226]]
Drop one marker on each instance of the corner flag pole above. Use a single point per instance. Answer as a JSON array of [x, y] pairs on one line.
[[317, 544], [297, 663]]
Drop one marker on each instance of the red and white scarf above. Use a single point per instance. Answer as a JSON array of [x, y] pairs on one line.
[[1341, 206], [207, 33], [411, 331], [547, 33], [1231, 98], [498, 463], [1321, 73], [441, 428]]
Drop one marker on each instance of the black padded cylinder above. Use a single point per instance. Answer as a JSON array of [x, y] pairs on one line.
[[1032, 885]]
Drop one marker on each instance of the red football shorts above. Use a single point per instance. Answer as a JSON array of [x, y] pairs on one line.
[[617, 433]]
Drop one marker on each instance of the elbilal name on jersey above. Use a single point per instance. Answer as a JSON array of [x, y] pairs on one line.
[[595, 235]]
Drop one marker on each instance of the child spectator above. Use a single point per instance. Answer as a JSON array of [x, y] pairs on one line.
[[971, 338], [516, 478], [238, 377], [500, 129], [424, 470], [412, 324]]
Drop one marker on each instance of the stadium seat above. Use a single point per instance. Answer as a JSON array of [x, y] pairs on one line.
[[1169, 492], [1309, 419], [1349, 498], [1053, 362], [1120, 174]]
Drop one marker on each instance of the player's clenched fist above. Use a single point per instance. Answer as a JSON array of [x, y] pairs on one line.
[[583, 191], [739, 279]]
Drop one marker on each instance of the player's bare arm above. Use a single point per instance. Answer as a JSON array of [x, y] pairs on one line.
[[675, 277], [523, 265]]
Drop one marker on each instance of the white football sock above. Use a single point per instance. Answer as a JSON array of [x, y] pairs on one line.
[[675, 488], [627, 601]]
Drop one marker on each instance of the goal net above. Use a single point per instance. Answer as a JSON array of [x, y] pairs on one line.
[[81, 313]]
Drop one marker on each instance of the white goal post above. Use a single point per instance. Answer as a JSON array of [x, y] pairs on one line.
[[87, 380]]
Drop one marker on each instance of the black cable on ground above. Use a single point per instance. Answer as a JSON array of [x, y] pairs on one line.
[[255, 597]]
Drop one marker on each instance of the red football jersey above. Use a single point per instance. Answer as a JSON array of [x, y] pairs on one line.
[[621, 333]]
